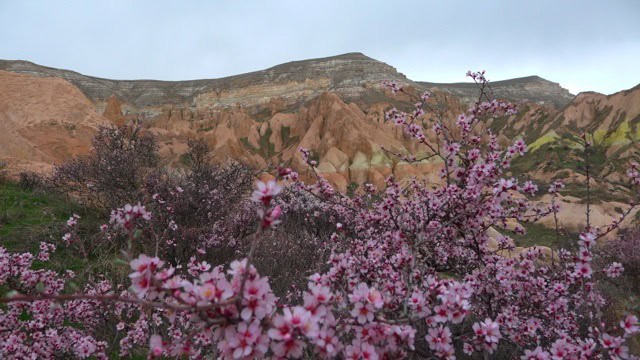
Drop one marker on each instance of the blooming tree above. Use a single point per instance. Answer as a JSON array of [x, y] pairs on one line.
[[412, 271]]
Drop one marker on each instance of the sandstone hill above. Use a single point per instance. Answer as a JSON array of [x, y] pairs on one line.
[[333, 105], [43, 120], [521, 90], [350, 76], [611, 122], [354, 77]]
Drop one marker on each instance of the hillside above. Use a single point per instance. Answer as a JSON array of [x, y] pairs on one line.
[[521, 90], [612, 123], [43, 120], [354, 77], [349, 75], [334, 106]]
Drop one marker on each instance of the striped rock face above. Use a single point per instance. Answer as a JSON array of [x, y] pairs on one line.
[[334, 106]]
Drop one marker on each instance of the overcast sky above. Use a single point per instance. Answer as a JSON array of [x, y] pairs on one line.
[[582, 44]]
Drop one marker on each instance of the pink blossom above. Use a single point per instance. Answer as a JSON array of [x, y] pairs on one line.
[[583, 269], [587, 239], [560, 350], [266, 191], [156, 347], [488, 332], [614, 270], [363, 312], [73, 220], [536, 354], [439, 339], [630, 324], [270, 218], [126, 215], [244, 341]]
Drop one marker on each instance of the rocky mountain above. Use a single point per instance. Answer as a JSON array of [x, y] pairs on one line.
[[334, 106], [43, 120], [611, 122], [521, 90], [350, 76], [354, 77]]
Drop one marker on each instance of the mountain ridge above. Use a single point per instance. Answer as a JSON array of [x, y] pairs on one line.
[[336, 73], [335, 105], [531, 88], [348, 74], [350, 55]]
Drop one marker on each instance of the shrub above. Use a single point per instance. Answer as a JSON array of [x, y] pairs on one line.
[[410, 271], [197, 158], [115, 170], [30, 180], [625, 249], [203, 209], [4, 173]]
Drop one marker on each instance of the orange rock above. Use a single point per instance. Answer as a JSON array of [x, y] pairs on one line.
[[113, 111], [377, 179], [44, 120], [264, 117], [265, 176], [337, 181], [405, 171]]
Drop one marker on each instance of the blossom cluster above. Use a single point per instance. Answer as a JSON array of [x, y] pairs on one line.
[[237, 310], [71, 227], [412, 271], [128, 214], [264, 195], [38, 327]]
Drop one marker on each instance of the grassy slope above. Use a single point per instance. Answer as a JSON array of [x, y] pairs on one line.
[[538, 234], [28, 217]]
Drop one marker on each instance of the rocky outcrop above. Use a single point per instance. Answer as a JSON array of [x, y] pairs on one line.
[[334, 106], [43, 120], [113, 111], [353, 77], [521, 90], [611, 123]]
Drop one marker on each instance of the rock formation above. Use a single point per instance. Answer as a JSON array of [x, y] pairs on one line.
[[521, 90], [43, 120], [334, 106]]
